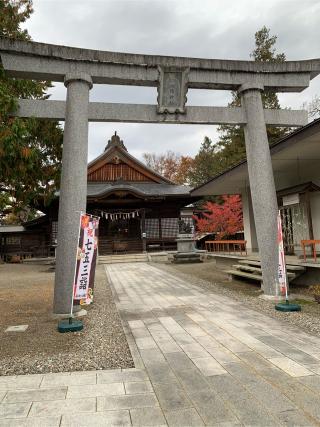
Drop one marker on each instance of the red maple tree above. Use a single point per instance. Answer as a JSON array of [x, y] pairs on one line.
[[225, 219]]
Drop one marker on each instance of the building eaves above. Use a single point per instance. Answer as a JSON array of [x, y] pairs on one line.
[[145, 189], [276, 146]]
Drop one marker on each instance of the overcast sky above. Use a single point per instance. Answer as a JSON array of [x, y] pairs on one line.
[[196, 28]]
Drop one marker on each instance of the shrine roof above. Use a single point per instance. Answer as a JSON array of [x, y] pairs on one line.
[[100, 168], [146, 189], [117, 171]]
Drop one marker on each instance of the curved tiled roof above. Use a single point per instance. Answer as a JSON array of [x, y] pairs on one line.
[[148, 189]]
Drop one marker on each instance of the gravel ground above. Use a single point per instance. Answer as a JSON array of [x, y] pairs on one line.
[[208, 277], [26, 298]]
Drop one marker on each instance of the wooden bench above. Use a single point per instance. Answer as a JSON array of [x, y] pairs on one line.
[[311, 243], [226, 246]]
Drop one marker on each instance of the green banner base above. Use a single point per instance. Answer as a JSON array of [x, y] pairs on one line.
[[70, 325], [286, 306]]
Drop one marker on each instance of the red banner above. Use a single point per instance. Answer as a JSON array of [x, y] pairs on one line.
[[86, 260]]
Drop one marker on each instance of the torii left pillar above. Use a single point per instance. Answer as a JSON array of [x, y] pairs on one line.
[[73, 187]]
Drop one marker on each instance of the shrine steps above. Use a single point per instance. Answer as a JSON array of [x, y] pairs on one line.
[[122, 258], [251, 269]]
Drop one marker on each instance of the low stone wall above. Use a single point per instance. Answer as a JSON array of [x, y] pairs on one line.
[[163, 257], [158, 256], [310, 277]]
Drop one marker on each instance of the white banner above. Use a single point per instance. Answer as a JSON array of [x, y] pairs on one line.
[[282, 272], [86, 260]]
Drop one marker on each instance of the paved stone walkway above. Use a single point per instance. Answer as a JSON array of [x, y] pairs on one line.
[[201, 359]]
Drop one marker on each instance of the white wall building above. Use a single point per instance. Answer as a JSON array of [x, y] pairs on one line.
[[296, 168]]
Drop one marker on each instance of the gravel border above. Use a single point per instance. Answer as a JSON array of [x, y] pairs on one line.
[[308, 319], [101, 345]]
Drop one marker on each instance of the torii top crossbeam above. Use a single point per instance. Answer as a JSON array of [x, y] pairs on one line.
[[46, 61]]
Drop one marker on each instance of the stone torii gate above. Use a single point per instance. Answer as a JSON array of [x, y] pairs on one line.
[[79, 69]]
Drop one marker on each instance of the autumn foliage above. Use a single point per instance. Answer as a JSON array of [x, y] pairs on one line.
[[225, 219], [171, 165], [30, 148]]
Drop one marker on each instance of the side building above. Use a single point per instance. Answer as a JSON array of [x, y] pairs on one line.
[[139, 209], [295, 161]]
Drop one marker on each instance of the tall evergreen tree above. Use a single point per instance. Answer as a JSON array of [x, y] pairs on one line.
[[204, 163], [30, 149], [231, 145]]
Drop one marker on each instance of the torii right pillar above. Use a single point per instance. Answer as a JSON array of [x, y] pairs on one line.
[[263, 192]]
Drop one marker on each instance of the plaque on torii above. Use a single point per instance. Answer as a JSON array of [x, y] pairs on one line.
[[172, 90]]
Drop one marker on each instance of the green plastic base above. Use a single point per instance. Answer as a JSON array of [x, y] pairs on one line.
[[70, 326], [286, 306]]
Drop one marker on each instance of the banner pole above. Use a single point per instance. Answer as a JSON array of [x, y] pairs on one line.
[[282, 273], [75, 267]]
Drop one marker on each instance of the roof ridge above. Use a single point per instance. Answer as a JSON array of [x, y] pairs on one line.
[[115, 143]]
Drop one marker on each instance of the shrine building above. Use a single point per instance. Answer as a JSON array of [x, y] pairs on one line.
[[139, 209]]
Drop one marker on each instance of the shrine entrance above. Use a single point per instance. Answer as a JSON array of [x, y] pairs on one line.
[[79, 69], [120, 236]]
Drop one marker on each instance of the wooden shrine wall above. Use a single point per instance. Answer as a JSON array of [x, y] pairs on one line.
[[114, 172]]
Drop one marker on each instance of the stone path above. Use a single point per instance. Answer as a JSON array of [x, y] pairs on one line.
[[201, 359]]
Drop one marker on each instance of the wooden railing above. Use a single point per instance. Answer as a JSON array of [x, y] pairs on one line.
[[17, 252], [311, 243], [229, 246]]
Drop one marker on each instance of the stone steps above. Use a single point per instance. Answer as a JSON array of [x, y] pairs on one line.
[[244, 274], [40, 261], [258, 263], [258, 270], [125, 258], [186, 257], [251, 269]]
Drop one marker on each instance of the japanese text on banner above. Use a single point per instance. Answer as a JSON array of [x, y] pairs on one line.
[[86, 260]]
